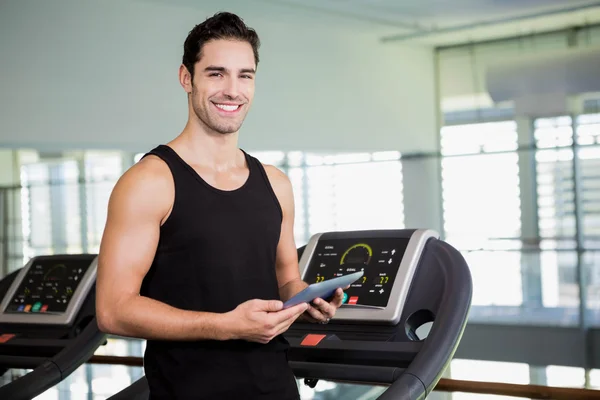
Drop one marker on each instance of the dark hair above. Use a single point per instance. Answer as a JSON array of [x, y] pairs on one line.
[[222, 25]]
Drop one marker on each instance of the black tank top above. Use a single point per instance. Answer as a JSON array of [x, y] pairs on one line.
[[217, 249]]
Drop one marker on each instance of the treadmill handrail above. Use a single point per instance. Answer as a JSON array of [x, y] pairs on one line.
[[83, 348], [54, 370], [42, 378], [422, 374], [346, 373], [22, 362]]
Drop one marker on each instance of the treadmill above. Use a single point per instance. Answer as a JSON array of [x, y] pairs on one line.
[[47, 322], [379, 335]]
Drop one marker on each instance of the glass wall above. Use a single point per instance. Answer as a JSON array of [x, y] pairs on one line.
[[556, 211], [588, 140], [480, 190], [528, 275]]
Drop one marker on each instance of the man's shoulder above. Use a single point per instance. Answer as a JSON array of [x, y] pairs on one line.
[[282, 186], [150, 174], [276, 176]]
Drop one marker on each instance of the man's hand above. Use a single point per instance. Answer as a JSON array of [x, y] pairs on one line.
[[261, 320], [321, 310]]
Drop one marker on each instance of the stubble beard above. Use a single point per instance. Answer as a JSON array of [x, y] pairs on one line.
[[211, 120]]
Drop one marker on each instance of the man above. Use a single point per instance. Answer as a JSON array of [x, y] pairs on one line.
[[198, 251]]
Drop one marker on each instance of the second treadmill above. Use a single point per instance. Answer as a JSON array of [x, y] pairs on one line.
[[47, 322]]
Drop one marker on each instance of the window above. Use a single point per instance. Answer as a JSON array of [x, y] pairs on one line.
[[482, 211], [51, 205], [102, 170], [488, 371], [561, 376], [588, 138], [556, 211], [354, 192], [297, 174], [554, 162]]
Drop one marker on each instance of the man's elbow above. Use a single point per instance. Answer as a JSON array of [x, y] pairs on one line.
[[106, 319]]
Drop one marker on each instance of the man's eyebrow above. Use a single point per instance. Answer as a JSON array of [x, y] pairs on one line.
[[223, 69], [215, 68]]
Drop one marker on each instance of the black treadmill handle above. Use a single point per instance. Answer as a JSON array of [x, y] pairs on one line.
[[439, 347], [51, 371], [82, 349], [22, 362], [346, 373], [407, 387], [42, 378]]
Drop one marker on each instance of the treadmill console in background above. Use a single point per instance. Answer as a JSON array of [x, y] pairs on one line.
[[388, 258], [49, 290]]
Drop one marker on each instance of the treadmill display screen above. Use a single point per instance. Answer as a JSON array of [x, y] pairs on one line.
[[379, 258], [48, 286]]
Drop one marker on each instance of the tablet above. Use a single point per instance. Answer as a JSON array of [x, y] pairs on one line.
[[323, 289]]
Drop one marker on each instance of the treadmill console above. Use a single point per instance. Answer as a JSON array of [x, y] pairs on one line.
[[389, 259], [49, 289]]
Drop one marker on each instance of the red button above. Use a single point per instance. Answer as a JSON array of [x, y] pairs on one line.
[[6, 337], [353, 300], [44, 308], [312, 339]]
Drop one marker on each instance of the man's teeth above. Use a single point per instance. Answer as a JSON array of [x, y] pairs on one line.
[[227, 107]]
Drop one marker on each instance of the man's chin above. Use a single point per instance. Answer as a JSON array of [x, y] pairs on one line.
[[226, 130]]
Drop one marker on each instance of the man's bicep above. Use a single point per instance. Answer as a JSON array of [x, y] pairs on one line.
[[287, 253], [127, 249], [287, 256], [130, 238]]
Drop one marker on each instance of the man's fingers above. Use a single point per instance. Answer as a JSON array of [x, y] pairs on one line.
[[308, 316], [315, 314], [269, 305], [325, 308], [286, 323], [289, 313], [338, 298]]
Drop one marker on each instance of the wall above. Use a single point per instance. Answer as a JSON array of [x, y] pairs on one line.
[[103, 74]]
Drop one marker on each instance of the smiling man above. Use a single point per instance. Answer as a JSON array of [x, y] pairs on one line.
[[198, 251]]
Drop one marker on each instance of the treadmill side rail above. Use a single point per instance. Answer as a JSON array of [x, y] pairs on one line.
[[451, 314], [29, 386]]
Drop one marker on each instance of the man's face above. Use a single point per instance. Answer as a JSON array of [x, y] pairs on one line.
[[223, 85]]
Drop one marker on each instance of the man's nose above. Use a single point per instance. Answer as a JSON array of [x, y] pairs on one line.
[[231, 88]]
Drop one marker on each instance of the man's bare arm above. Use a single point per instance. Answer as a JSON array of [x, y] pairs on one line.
[[288, 274]]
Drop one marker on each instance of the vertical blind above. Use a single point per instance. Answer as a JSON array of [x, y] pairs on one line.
[[336, 192], [353, 192], [482, 208]]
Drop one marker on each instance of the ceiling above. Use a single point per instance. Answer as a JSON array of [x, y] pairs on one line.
[[428, 22], [446, 22]]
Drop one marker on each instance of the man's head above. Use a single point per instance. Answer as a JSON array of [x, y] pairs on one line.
[[218, 70]]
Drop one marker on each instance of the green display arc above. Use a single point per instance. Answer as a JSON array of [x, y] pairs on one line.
[[358, 245]]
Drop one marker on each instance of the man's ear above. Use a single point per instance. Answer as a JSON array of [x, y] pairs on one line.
[[185, 79]]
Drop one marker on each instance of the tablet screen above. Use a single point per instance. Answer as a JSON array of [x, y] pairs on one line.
[[378, 257]]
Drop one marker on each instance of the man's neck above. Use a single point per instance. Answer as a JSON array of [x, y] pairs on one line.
[[213, 150]]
